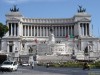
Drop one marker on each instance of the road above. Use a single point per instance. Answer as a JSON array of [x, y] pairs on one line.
[[52, 71]]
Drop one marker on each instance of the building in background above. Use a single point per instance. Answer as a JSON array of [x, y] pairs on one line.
[[50, 39]]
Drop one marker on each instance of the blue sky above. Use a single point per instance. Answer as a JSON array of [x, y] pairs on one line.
[[53, 9]]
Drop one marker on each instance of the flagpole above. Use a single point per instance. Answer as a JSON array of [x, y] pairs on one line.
[[92, 29], [98, 32]]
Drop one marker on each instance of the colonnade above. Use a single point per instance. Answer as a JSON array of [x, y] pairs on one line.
[[13, 29], [84, 29], [43, 31]]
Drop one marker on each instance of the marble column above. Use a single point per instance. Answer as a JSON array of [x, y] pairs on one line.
[[14, 29], [11, 29], [7, 47], [68, 30], [18, 31], [81, 26], [65, 30], [59, 31], [34, 31], [46, 31], [25, 30], [40, 31], [86, 28], [56, 31], [62, 31], [79, 29], [31, 31], [71, 30], [43, 31], [37, 30], [28, 30]]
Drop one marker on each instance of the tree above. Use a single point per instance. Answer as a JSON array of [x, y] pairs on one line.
[[3, 31]]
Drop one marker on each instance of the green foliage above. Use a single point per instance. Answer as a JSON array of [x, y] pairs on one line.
[[3, 30], [72, 64], [67, 64], [96, 64]]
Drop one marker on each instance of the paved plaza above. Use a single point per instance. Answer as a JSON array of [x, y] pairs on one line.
[[52, 71]]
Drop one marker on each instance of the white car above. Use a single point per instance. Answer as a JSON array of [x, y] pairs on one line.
[[9, 66]]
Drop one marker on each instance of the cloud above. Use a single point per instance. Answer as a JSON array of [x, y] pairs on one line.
[[16, 1], [23, 1], [47, 0]]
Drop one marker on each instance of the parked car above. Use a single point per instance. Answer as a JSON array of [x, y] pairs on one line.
[[25, 64], [9, 66]]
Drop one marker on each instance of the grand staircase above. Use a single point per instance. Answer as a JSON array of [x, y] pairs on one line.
[[54, 58]]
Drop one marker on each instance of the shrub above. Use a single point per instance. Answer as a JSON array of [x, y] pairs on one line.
[[73, 64], [97, 64]]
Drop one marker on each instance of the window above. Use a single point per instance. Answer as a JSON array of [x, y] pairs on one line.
[[10, 49], [23, 45], [86, 51]]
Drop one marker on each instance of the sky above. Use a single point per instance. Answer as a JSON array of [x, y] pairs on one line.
[[53, 9]]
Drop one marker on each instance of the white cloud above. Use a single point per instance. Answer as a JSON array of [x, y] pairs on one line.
[[23, 1], [16, 1], [47, 0]]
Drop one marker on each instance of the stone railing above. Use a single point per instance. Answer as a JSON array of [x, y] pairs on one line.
[[70, 20]]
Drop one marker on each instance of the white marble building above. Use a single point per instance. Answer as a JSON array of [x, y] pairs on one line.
[[31, 36]]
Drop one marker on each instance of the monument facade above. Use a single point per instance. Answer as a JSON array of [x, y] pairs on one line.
[[50, 36]]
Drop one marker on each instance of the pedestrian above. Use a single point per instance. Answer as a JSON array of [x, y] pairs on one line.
[[32, 64], [86, 66], [47, 66]]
